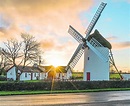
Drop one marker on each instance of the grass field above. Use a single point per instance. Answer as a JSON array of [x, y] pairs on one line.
[[7, 93], [80, 75], [115, 75]]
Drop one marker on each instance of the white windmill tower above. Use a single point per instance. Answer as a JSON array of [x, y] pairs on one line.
[[96, 56]]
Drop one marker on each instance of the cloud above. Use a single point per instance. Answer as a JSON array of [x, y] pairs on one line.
[[121, 45], [111, 38], [54, 45], [108, 19], [37, 6], [47, 20], [114, 40], [128, 1], [47, 44], [42, 16]]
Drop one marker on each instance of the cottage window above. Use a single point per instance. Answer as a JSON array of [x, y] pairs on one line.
[[25, 74], [11, 73], [35, 75]]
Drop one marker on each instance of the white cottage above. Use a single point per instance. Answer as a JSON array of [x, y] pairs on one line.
[[61, 73], [26, 73], [57, 72]]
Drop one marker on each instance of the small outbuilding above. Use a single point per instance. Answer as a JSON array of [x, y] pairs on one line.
[[126, 76]]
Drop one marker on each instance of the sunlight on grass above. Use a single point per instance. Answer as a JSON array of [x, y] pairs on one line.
[[52, 84]]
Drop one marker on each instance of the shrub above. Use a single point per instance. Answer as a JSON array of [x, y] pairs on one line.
[[62, 85], [2, 78]]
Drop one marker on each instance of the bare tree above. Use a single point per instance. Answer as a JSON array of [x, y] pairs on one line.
[[31, 51], [12, 51], [112, 70], [4, 63], [22, 53]]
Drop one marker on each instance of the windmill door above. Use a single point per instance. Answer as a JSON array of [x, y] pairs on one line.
[[88, 76]]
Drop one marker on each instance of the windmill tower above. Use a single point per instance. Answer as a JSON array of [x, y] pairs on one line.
[[97, 68], [96, 48]]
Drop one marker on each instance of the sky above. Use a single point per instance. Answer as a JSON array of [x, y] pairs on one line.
[[49, 20]]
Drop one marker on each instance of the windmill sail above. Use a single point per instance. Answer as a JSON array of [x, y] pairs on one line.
[[76, 56], [75, 34], [95, 19]]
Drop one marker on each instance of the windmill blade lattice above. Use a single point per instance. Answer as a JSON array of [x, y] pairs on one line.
[[76, 56], [75, 34], [95, 19]]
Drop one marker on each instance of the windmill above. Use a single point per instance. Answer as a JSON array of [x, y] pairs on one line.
[[96, 55]]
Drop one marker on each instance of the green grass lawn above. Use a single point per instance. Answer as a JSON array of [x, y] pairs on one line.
[[79, 75], [6, 93], [3, 81], [115, 75], [76, 75]]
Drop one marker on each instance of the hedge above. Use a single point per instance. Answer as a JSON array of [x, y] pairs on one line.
[[3, 78], [61, 85]]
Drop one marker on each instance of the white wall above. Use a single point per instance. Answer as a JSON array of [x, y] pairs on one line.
[[43, 76], [22, 76], [126, 76], [99, 70], [39, 75], [59, 75], [69, 74], [35, 77], [11, 73]]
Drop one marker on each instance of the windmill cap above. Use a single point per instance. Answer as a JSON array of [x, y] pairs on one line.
[[100, 39]]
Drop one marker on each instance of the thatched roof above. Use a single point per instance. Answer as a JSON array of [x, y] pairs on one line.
[[59, 69], [100, 39], [27, 69]]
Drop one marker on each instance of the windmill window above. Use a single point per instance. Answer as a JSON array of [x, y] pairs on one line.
[[88, 58]]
